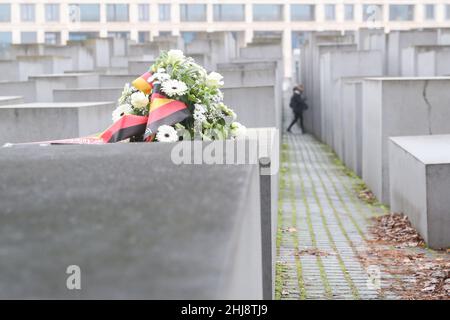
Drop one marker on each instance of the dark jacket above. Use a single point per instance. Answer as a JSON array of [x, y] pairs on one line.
[[298, 103]]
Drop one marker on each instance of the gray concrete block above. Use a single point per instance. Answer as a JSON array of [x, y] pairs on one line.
[[10, 100], [335, 65], [139, 66], [26, 89], [255, 106], [116, 80], [316, 46], [399, 40], [91, 206], [45, 84], [426, 61], [419, 169], [268, 154], [254, 73], [50, 121], [351, 138], [23, 67], [87, 94], [399, 107]]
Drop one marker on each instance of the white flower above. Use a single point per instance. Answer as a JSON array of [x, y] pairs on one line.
[[218, 97], [121, 110], [161, 70], [166, 134], [174, 56], [199, 108], [237, 129], [139, 100], [214, 79], [126, 92], [160, 76], [199, 117], [174, 88]]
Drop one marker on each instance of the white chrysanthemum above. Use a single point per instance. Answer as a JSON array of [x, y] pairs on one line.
[[200, 108], [166, 134], [199, 116], [238, 130], [174, 56], [120, 111], [174, 88], [214, 79], [126, 92], [159, 76], [139, 100]]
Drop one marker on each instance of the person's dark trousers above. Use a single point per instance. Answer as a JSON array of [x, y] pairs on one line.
[[297, 116]]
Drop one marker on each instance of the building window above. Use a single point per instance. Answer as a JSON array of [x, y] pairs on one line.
[[28, 37], [330, 12], [80, 36], [229, 12], [447, 9], [5, 12], [27, 13], [119, 34], [349, 12], [401, 12], [276, 35], [52, 12], [88, 12], [53, 37], [267, 12], [165, 33], [372, 12], [144, 12], [298, 39], [117, 12], [429, 12], [143, 36], [303, 12], [5, 38], [188, 37], [193, 12], [164, 12]]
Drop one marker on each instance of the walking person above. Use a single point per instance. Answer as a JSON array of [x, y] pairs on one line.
[[298, 105]]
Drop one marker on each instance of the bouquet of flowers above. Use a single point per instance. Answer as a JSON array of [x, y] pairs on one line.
[[175, 100]]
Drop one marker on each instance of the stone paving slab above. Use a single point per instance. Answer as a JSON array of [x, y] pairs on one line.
[[323, 229], [317, 198]]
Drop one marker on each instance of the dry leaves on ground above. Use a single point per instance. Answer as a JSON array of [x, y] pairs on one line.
[[290, 230], [315, 252], [366, 195], [396, 249], [395, 229]]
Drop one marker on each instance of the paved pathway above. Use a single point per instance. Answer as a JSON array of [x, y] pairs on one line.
[[323, 225]]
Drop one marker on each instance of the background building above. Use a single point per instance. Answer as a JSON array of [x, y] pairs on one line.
[[57, 21]]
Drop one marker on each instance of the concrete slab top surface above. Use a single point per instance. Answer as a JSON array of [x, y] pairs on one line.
[[62, 75], [87, 89], [37, 105], [406, 78], [138, 225], [432, 149], [6, 98]]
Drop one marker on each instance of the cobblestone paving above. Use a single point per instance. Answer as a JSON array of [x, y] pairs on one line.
[[322, 226]]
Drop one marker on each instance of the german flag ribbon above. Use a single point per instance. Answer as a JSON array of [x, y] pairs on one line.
[[164, 111], [142, 83], [126, 127]]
